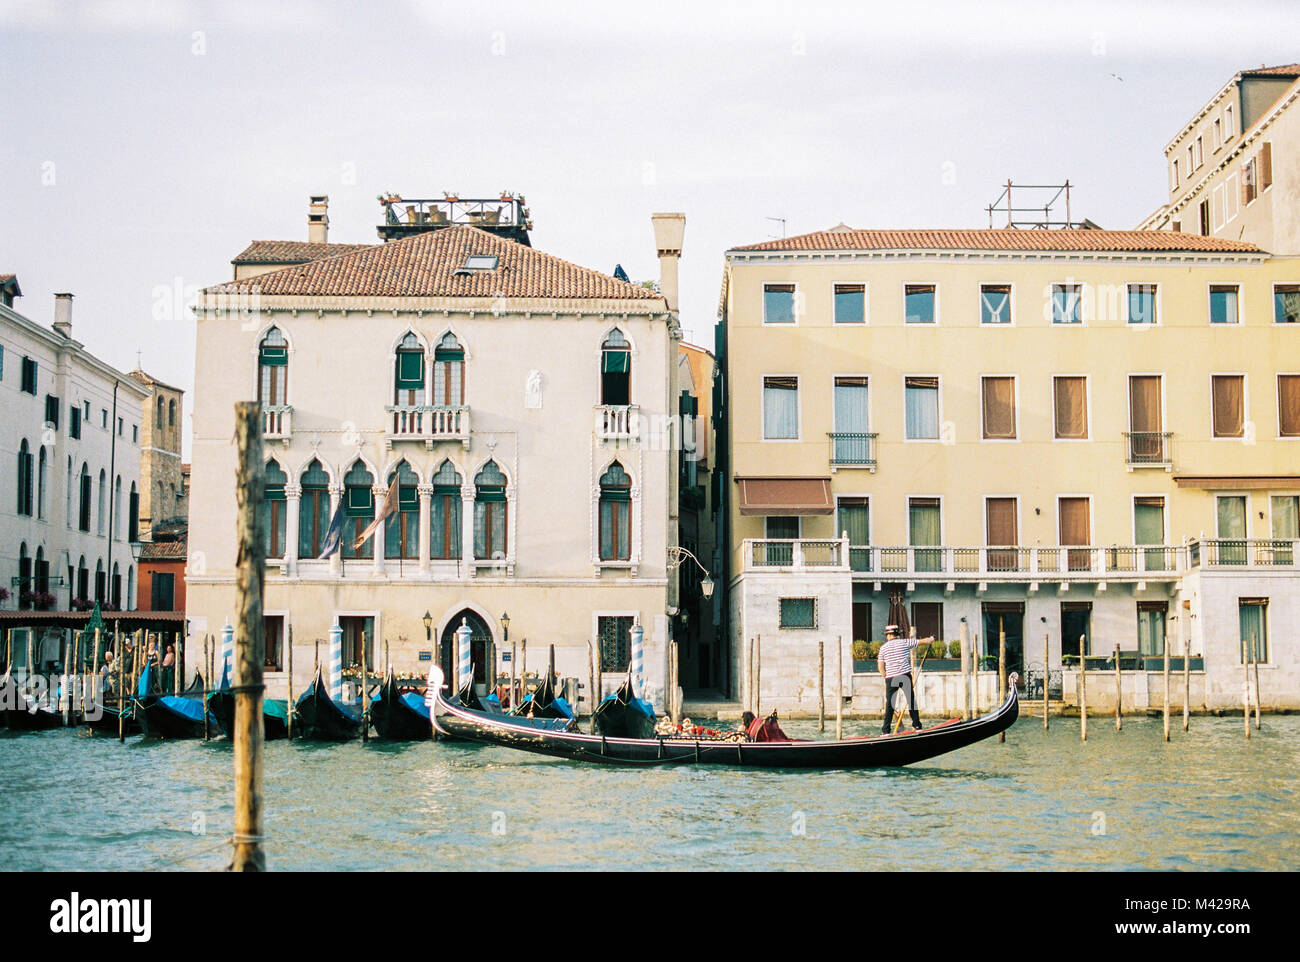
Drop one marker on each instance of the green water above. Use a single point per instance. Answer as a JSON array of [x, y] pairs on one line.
[[1207, 800]]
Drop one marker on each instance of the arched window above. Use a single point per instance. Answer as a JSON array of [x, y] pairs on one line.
[[24, 479], [101, 586], [616, 370], [358, 510], [41, 575], [133, 515], [25, 586], [313, 511], [40, 485], [171, 414], [115, 594], [273, 368], [83, 579], [409, 372], [490, 513], [444, 516], [83, 516], [130, 588], [67, 496], [402, 529], [449, 372], [157, 421], [117, 508], [273, 508], [615, 514], [102, 501]]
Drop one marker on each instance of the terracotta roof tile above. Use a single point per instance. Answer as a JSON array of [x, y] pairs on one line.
[[164, 551], [1284, 70], [1004, 239], [426, 265], [292, 252]]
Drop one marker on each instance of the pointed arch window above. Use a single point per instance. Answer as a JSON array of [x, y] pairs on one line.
[[171, 414], [272, 368], [24, 577], [117, 508], [101, 583], [358, 510], [101, 502], [41, 575], [24, 479], [83, 515], [490, 535], [133, 515], [615, 514], [449, 372], [313, 510], [41, 474], [274, 506], [409, 373], [158, 417], [444, 515], [402, 528], [616, 370]]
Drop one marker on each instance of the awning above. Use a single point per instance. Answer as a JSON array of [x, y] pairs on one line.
[[785, 496], [1221, 482]]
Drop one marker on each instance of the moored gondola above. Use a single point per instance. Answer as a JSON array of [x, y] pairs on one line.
[[321, 718], [623, 715], [544, 702], [876, 751], [23, 711], [172, 716], [275, 712], [400, 715]]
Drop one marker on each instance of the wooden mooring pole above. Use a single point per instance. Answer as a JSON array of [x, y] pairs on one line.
[[839, 688], [1002, 670], [514, 697], [1254, 658], [121, 699], [591, 686], [288, 674], [250, 641], [1119, 694], [1166, 711], [965, 655], [1245, 686], [1047, 677], [1083, 690], [207, 662], [821, 687], [365, 697], [1187, 675], [758, 675]]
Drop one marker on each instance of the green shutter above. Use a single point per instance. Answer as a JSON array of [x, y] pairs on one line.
[[407, 499], [360, 501], [443, 490], [273, 356], [410, 370], [273, 492], [445, 354], [616, 362], [490, 493], [615, 494]]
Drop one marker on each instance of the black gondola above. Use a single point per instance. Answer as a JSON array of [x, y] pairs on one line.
[[544, 702], [104, 721], [275, 711], [869, 751], [623, 715], [321, 718], [172, 716], [23, 712], [400, 715]]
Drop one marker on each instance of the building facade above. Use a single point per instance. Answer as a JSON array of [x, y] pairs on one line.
[[163, 502], [520, 404], [1085, 439], [69, 466], [1234, 168]]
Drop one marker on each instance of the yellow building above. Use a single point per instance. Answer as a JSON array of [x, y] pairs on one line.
[[1063, 435]]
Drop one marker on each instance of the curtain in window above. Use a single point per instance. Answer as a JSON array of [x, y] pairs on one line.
[[1223, 305], [922, 397], [359, 511], [444, 518], [615, 514], [850, 303], [402, 529], [918, 304], [449, 372], [1286, 516], [1288, 405], [273, 509], [1067, 301], [1071, 400], [778, 304], [854, 518], [1141, 304], [1075, 530], [851, 419], [1144, 403], [1228, 392], [999, 407], [1000, 521], [780, 407], [490, 512], [923, 529], [1232, 517], [995, 302], [1151, 628], [1254, 641]]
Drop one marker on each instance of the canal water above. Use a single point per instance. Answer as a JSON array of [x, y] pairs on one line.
[[1042, 800]]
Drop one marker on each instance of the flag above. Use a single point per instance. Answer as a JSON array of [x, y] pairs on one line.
[[389, 507], [334, 536]]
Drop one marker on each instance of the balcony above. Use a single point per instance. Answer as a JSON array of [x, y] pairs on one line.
[[971, 563], [1148, 449], [277, 422], [851, 449], [1245, 553], [428, 423], [618, 422]]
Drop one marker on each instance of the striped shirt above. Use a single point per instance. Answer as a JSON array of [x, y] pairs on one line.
[[896, 655]]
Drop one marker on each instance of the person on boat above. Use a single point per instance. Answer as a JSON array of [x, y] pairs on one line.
[[168, 668], [108, 672], [767, 730], [746, 722], [895, 661]]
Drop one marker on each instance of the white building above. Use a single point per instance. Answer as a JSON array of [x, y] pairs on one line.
[[69, 465]]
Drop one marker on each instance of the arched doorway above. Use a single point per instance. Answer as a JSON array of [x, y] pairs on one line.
[[479, 637]]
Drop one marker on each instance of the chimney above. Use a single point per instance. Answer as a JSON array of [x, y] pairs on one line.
[[63, 314], [669, 229], [318, 220]]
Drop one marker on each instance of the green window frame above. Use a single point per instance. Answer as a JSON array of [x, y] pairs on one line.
[[798, 613]]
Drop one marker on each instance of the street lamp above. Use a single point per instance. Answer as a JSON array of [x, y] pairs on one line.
[[428, 626], [677, 555], [505, 627]]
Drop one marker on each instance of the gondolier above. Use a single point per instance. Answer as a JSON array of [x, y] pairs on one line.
[[895, 661]]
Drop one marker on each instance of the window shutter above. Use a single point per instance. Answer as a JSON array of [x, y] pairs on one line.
[[1266, 165], [271, 356], [273, 492], [360, 501], [999, 407], [408, 498], [1228, 405], [616, 362], [490, 493], [410, 370]]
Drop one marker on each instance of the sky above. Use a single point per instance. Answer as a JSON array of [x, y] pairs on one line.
[[144, 143]]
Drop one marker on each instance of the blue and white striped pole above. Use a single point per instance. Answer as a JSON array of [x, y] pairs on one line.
[[638, 661], [465, 665], [336, 663], [227, 655]]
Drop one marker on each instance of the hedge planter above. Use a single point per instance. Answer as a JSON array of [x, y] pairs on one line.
[[931, 664], [1157, 663]]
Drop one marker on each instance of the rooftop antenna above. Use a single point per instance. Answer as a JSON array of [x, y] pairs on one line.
[[1041, 212], [782, 222]]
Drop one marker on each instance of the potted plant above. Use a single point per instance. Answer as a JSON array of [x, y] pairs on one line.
[[860, 650], [954, 649], [938, 649]]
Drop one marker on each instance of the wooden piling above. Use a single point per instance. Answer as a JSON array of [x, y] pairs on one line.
[[1119, 694], [591, 686], [758, 675], [94, 669], [839, 688], [1245, 686], [514, 696], [523, 670], [65, 684], [1047, 676], [288, 674], [1002, 670], [1254, 658], [365, 697], [965, 687], [1083, 691], [747, 676], [207, 671], [600, 679], [975, 674], [1166, 710], [1187, 679], [250, 642], [821, 687], [121, 701]]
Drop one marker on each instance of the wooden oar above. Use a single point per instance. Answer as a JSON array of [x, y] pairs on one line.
[[916, 678]]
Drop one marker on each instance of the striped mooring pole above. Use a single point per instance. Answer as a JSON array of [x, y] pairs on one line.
[[227, 655], [638, 661], [464, 662], [336, 663]]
